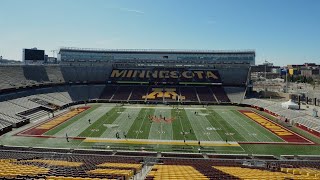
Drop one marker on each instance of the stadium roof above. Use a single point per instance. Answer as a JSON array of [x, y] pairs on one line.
[[164, 51]]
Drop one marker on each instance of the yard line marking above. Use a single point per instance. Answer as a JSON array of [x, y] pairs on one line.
[[99, 124], [192, 126], [116, 111], [123, 121], [212, 127], [75, 127], [204, 130], [232, 125], [222, 125], [180, 124], [244, 127], [170, 115], [145, 114]]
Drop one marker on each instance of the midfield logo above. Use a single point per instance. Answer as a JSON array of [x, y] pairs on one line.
[[166, 93]]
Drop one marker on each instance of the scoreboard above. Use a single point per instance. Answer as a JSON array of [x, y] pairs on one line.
[[33, 55]]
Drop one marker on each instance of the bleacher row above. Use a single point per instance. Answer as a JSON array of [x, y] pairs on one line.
[[191, 94], [294, 116], [16, 76], [61, 95], [21, 163]]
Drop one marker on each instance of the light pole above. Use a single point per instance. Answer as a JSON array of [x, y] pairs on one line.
[[265, 77]]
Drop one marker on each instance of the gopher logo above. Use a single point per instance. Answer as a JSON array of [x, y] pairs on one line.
[[166, 93]]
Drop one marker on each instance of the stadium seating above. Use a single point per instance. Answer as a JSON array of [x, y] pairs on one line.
[[189, 93], [171, 94], [205, 94], [235, 94], [45, 100], [22, 163], [34, 114], [9, 169], [220, 94], [307, 173], [108, 92], [8, 113], [138, 92], [175, 172], [299, 117], [25, 103], [4, 127], [55, 162], [35, 73], [154, 94], [122, 93], [233, 76], [54, 74], [79, 93], [95, 91], [14, 76], [250, 173]]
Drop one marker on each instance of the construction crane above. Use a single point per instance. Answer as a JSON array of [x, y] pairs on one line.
[[54, 52]]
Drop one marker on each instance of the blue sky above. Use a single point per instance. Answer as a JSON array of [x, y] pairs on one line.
[[281, 31]]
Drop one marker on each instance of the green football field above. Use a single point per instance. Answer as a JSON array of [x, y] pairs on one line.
[[220, 129]]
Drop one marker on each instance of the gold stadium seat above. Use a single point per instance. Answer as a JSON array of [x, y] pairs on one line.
[[121, 165], [166, 92], [9, 169], [72, 178], [249, 173], [56, 162], [127, 173], [308, 172], [177, 172]]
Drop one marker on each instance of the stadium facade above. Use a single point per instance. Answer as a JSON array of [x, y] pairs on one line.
[[150, 57]]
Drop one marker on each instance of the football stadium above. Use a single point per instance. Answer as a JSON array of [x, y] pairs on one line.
[[148, 114]]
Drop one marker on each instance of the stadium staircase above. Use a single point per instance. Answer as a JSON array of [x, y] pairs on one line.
[[205, 95], [197, 95], [113, 93], [108, 92], [235, 94], [146, 94], [35, 113], [220, 94], [130, 94], [213, 94]]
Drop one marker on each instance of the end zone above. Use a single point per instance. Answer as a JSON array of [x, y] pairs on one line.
[[51, 123], [277, 129]]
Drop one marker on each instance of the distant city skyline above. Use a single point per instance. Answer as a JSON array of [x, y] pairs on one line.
[[281, 32]]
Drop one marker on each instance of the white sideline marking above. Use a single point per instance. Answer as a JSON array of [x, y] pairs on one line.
[[155, 107]]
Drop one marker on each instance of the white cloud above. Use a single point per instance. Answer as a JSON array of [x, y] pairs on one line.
[[211, 22], [131, 10]]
